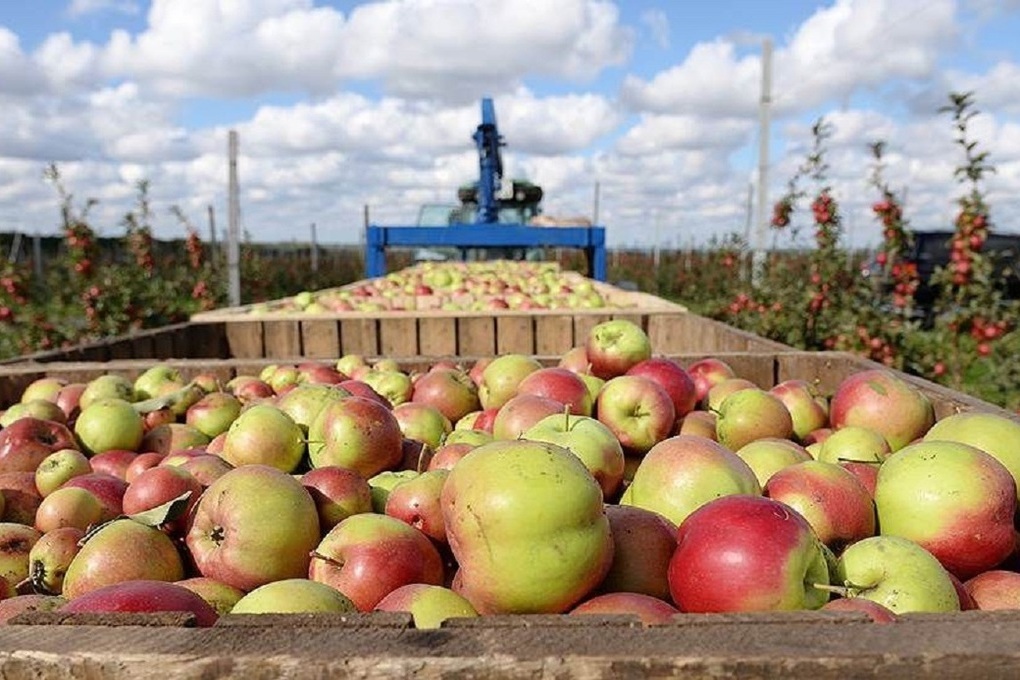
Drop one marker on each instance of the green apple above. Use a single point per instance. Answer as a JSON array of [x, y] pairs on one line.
[[526, 523], [750, 414], [33, 408], [294, 596], [898, 574], [382, 483], [500, 378], [157, 380], [854, 443], [771, 454], [106, 386], [107, 424], [990, 432], [58, 467], [263, 434], [588, 439], [428, 605]]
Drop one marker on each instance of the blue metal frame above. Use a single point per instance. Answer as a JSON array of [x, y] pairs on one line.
[[591, 239]]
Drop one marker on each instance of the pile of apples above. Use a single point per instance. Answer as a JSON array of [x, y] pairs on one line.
[[452, 286], [615, 481]]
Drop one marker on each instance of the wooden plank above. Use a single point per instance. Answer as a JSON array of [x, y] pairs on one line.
[[204, 340], [282, 338], [583, 323], [437, 336], [245, 339], [398, 337], [554, 335], [515, 335], [359, 336], [476, 336], [320, 338]]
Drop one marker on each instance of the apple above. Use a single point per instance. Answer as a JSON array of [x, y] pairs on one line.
[[995, 589], [264, 435], [356, 433], [854, 444], [367, 556], [521, 412], [162, 484], [255, 524], [157, 380], [643, 544], [113, 462], [35, 408], [140, 463], [952, 499], [896, 573], [68, 507], [879, 613], [317, 373], [249, 389], [672, 377], [614, 347], [743, 553], [450, 390], [220, 596], [348, 362], [68, 399], [394, 385], [58, 467], [338, 493], [107, 488], [169, 438], [637, 410], [142, 595], [718, 392], [575, 360], [708, 372], [751, 414], [122, 550], [526, 524], [501, 377], [771, 454], [422, 422], [561, 386], [682, 473], [650, 610], [294, 596], [50, 557], [447, 455], [994, 434], [109, 423], [834, 502], [106, 386], [880, 400], [47, 387], [17, 541], [429, 605], [417, 502], [700, 423], [21, 497], [26, 442], [588, 439], [808, 409], [213, 413], [19, 604]]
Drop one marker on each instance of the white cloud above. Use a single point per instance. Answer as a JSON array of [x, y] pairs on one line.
[[658, 25]]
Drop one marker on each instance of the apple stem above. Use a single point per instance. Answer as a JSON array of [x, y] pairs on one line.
[[316, 555], [841, 459], [566, 417], [846, 590]]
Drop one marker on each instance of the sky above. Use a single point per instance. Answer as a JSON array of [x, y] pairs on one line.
[[342, 105]]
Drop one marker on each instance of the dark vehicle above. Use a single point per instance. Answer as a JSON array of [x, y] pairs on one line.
[[932, 250]]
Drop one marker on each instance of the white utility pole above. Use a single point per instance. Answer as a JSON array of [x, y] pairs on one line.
[[233, 226], [762, 219]]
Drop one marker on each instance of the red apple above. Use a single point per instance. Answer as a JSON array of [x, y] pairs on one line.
[[450, 390], [338, 493], [113, 462], [643, 544], [995, 589], [672, 377], [809, 410], [560, 385], [880, 400], [27, 441], [638, 411], [879, 613], [521, 412], [708, 372], [650, 610], [356, 433], [142, 596]]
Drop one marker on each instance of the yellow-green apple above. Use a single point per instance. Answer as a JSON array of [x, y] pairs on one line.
[[561, 386], [107, 488], [368, 556], [809, 409], [68, 507], [50, 557], [338, 493], [472, 437], [637, 410], [141, 595], [672, 377], [281, 378], [422, 422], [35, 408], [264, 435], [743, 553], [417, 502], [47, 387], [953, 499], [157, 380], [305, 401], [294, 596], [771, 454], [708, 372], [501, 377], [106, 386], [718, 392], [700, 423], [17, 541], [27, 441], [159, 485], [879, 613], [213, 413], [575, 360], [614, 346], [170, 438], [386, 364], [898, 574], [854, 443], [450, 390], [643, 544], [995, 589], [884, 402], [394, 386], [380, 486], [429, 605], [833, 501], [58, 467], [649, 610], [255, 524], [526, 524], [356, 433], [751, 414], [122, 550], [679, 475], [994, 434], [109, 424], [348, 362], [220, 596], [521, 412], [447, 455], [21, 497], [594, 385], [588, 439]]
